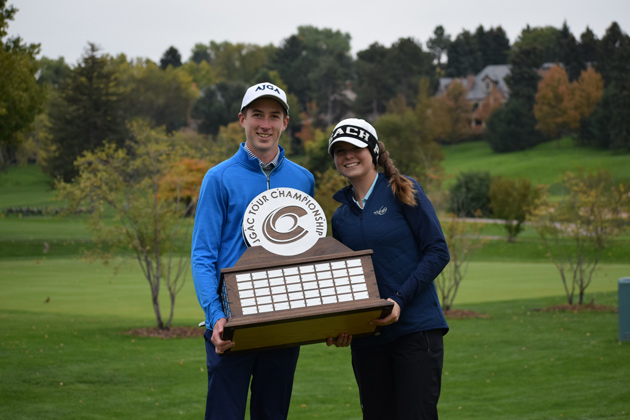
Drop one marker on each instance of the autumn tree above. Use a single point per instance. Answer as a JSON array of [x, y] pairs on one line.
[[452, 114], [137, 183], [578, 228], [561, 104], [553, 109], [513, 202]]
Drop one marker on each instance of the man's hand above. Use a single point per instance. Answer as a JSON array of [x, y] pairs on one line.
[[389, 319], [220, 345], [343, 340]]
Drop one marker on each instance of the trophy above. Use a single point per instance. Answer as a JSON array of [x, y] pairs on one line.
[[293, 285]]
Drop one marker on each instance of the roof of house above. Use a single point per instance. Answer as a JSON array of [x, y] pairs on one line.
[[496, 72]]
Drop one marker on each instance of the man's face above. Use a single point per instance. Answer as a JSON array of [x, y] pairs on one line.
[[264, 121]]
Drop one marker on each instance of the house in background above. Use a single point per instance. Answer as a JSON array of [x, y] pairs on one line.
[[486, 91]]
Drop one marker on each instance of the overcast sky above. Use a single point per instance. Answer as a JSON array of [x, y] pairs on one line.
[[146, 28]]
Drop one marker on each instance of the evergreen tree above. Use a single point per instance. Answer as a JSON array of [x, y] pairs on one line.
[[171, 57], [89, 112], [218, 106], [570, 55], [496, 47], [375, 84], [464, 57], [439, 44]]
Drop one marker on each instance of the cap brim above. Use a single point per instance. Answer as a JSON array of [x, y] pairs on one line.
[[360, 144], [280, 101]]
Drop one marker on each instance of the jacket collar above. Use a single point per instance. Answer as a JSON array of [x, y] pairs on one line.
[[253, 163], [345, 195]]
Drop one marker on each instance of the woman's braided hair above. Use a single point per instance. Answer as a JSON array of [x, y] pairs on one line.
[[401, 186]]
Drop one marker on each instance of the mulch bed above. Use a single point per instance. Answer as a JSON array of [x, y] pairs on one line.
[[173, 332], [463, 314], [585, 307]]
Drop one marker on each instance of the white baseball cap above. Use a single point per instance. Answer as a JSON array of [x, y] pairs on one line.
[[265, 90], [357, 132]]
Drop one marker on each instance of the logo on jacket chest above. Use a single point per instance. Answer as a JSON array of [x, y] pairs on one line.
[[381, 211], [284, 221]]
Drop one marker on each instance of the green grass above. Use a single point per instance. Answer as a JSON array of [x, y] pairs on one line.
[[541, 165], [25, 186], [63, 353], [68, 358]]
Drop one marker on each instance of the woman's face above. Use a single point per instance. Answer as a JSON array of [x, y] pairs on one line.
[[353, 162]]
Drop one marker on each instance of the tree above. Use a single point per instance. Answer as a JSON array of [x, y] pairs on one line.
[[439, 44], [89, 112], [609, 126], [464, 56], [586, 92], [513, 202], [452, 114], [588, 47], [554, 108], [218, 106], [459, 234], [171, 57], [578, 229], [374, 85], [495, 47], [165, 97], [21, 98], [511, 128], [53, 73], [409, 63], [137, 183], [239, 62], [469, 194], [546, 39], [561, 105], [523, 78], [199, 53], [417, 155]]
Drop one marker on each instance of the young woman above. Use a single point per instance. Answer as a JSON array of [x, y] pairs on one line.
[[398, 372]]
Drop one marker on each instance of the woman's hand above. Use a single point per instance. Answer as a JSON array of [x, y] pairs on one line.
[[389, 319], [343, 340], [220, 346]]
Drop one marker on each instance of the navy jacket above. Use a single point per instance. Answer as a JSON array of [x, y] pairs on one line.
[[409, 253]]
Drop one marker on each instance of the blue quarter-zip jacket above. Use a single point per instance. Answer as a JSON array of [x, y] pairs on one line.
[[409, 252], [217, 241]]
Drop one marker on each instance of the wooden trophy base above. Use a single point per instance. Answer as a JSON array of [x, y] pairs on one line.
[[275, 301]]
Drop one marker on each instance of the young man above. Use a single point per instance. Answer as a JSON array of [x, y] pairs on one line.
[[217, 243]]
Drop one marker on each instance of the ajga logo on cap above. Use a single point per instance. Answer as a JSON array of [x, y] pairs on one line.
[[284, 221]]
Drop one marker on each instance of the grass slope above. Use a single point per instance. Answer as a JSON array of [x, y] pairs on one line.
[[541, 165]]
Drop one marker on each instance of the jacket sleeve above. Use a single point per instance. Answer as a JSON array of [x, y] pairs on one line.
[[434, 255], [206, 240]]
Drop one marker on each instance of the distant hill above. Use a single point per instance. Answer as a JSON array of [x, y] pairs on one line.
[[543, 164]]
